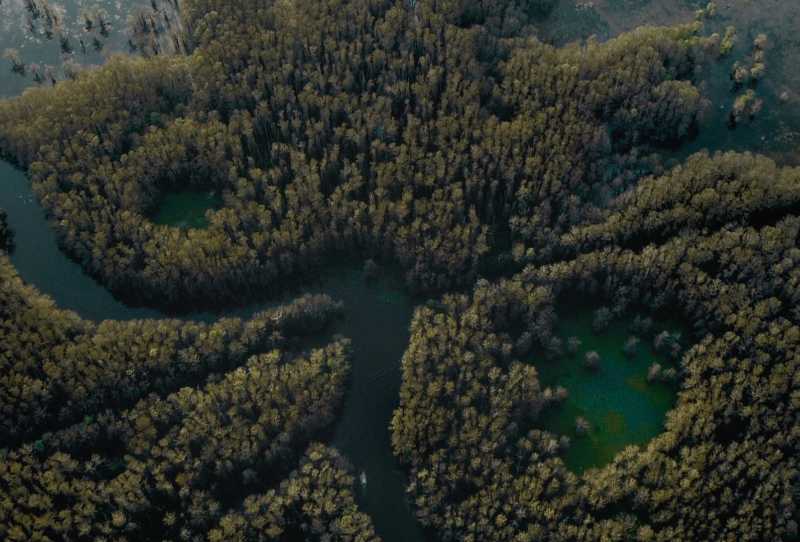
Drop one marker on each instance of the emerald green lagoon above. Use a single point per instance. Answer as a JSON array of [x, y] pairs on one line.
[[186, 209], [620, 404]]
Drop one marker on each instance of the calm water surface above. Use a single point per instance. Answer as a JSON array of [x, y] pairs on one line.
[[621, 406], [186, 209]]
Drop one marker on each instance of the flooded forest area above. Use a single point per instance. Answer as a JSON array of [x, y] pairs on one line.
[[435, 270]]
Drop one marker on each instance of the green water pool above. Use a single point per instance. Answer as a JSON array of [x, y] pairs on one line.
[[620, 404], [186, 209]]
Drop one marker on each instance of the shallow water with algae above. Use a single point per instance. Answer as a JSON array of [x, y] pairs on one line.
[[620, 404]]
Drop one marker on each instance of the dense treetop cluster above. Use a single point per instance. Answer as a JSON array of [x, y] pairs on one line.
[[405, 130], [168, 429], [704, 193], [439, 134], [725, 467], [175, 467], [57, 368]]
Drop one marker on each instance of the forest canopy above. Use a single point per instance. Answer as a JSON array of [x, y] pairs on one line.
[[388, 128], [139, 430], [725, 468], [496, 170]]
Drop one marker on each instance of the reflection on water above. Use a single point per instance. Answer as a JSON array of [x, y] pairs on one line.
[[50, 39]]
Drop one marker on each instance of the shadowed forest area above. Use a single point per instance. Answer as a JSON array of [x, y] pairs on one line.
[[605, 343]]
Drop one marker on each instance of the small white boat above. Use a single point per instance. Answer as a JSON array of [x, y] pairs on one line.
[[363, 479]]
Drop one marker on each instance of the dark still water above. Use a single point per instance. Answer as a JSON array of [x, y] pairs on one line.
[[377, 316], [186, 209], [40, 262]]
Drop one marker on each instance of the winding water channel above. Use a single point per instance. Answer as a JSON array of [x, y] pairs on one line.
[[377, 315]]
